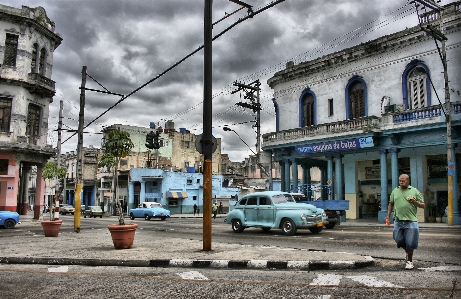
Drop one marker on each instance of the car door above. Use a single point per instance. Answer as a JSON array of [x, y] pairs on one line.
[[251, 212], [266, 211]]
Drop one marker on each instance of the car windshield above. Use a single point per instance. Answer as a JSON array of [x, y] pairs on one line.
[[282, 198], [67, 206], [96, 208], [155, 205]]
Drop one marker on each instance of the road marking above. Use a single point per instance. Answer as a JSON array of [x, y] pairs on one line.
[[59, 269], [193, 275], [327, 280], [371, 281], [442, 268]]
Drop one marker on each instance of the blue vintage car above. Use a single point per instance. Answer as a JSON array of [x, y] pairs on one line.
[[148, 210], [9, 219], [275, 209]]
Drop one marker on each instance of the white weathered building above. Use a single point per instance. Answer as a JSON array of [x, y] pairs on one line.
[[27, 43]]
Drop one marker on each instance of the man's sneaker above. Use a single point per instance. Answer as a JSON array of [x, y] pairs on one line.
[[409, 265]]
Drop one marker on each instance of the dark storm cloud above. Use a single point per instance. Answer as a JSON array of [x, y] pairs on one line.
[[125, 44]]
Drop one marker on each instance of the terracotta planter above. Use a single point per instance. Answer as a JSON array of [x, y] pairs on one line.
[[51, 227], [122, 235]]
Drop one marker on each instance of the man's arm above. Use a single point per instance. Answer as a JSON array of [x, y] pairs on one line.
[[390, 208]]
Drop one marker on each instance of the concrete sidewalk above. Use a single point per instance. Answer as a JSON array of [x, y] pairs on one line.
[[93, 247]]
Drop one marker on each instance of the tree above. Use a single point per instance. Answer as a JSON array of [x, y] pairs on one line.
[[52, 171], [117, 145]]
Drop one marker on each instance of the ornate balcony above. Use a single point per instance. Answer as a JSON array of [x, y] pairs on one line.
[[407, 119]]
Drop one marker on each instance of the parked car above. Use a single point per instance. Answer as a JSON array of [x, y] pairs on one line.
[[93, 211], [65, 209], [149, 210], [275, 209], [9, 219]]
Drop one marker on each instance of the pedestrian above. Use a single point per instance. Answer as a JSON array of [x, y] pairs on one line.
[[220, 211], [215, 210], [195, 208], [406, 200]]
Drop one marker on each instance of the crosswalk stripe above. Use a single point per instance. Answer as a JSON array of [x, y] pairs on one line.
[[372, 281], [327, 279], [193, 275]]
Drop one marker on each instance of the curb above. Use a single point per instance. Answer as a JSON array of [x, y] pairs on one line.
[[186, 263]]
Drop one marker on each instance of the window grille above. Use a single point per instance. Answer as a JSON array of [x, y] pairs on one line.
[[33, 123], [5, 114], [357, 100], [11, 50], [308, 110], [417, 88]]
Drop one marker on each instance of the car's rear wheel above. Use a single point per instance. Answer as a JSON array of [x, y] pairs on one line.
[[237, 226], [330, 225], [94, 216], [131, 216], [146, 217], [288, 227], [100, 216], [10, 223], [84, 216], [315, 230], [163, 218]]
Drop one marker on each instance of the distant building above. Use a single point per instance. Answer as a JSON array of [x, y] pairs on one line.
[[27, 44]]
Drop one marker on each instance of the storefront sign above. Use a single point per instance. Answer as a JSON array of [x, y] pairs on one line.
[[153, 195], [349, 144]]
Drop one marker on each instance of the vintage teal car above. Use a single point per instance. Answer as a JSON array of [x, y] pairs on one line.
[[9, 219], [275, 209], [149, 210]]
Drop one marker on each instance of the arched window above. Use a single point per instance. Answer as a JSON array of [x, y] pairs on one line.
[[42, 64], [33, 64], [307, 113], [417, 89], [308, 110], [356, 100]]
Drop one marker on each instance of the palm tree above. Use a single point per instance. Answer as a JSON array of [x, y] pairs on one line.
[[117, 145], [52, 171]]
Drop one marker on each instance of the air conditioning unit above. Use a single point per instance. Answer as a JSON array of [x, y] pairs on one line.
[[400, 108], [390, 108]]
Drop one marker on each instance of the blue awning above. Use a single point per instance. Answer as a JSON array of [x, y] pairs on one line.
[[176, 194]]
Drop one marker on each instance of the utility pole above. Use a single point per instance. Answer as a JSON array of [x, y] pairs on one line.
[[438, 35], [207, 125], [58, 162], [78, 187]]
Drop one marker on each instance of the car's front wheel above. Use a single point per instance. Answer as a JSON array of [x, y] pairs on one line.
[[237, 226], [163, 218], [131, 216], [288, 227], [315, 230], [100, 216], [330, 225], [10, 223], [84, 216]]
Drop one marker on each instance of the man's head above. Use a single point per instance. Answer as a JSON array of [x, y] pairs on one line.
[[404, 181]]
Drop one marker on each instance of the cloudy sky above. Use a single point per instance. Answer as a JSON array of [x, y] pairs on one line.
[[128, 43]]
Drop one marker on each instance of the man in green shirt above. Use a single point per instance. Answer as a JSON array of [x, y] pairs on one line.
[[406, 200]]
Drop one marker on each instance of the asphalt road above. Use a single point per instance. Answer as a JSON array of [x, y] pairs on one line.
[[438, 261]]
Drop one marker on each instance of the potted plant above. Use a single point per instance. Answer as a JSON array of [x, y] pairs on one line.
[[52, 226], [117, 145]]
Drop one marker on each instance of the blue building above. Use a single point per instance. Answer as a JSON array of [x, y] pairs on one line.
[[176, 191]]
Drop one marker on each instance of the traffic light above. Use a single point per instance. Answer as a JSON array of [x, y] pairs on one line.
[[150, 140], [156, 144]]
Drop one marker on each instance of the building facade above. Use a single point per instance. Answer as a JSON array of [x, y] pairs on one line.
[[27, 43], [367, 114]]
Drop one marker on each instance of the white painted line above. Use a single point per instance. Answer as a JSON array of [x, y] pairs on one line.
[[193, 275], [371, 281], [257, 264], [326, 280], [181, 263], [442, 269], [298, 264], [59, 269]]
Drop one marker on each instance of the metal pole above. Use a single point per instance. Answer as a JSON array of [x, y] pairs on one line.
[[78, 186], [207, 126], [58, 162]]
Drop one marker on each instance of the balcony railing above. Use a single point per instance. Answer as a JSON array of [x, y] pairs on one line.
[[362, 125], [41, 80]]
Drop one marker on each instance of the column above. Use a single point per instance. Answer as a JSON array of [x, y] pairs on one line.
[[294, 170], [142, 194], [338, 178], [282, 175], [307, 181], [323, 184], [394, 167], [287, 176], [384, 186], [39, 193], [330, 178], [456, 216], [131, 195]]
